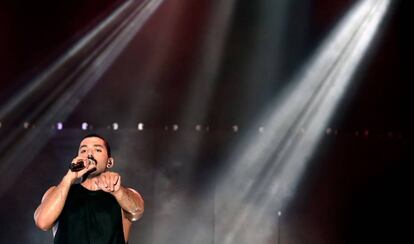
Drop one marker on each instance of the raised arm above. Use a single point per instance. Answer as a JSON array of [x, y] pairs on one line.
[[52, 205], [130, 200], [54, 199]]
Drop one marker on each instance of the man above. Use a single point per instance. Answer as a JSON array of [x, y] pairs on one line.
[[97, 210]]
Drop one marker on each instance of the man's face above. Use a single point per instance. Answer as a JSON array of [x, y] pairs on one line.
[[95, 147]]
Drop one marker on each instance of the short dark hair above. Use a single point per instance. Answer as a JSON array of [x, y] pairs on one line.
[[108, 148]]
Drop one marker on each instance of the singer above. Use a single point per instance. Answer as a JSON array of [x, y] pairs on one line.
[[99, 209]]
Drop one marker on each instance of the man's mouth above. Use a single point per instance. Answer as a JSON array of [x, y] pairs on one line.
[[92, 160]]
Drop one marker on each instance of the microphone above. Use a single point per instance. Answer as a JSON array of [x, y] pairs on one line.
[[79, 165]]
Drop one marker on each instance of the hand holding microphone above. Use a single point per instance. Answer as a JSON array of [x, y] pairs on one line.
[[80, 167], [80, 164], [77, 166]]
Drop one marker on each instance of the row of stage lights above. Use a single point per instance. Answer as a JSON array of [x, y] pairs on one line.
[[234, 128]]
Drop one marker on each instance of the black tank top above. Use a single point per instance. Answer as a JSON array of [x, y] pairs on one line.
[[89, 217]]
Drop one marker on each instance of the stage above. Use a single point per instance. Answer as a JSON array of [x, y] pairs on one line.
[[238, 121]]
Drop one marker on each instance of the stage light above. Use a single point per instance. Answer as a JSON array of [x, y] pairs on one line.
[[328, 131], [261, 129], [59, 89], [84, 126], [59, 126], [140, 126], [235, 128], [198, 127], [115, 126], [175, 127], [264, 171], [26, 125]]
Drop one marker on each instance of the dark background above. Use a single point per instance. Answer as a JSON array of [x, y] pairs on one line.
[[356, 188]]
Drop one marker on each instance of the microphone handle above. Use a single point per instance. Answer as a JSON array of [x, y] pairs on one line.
[[78, 166]]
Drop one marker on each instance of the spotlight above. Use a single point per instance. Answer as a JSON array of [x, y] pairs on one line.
[[140, 126], [198, 127], [115, 126], [328, 131], [235, 128], [26, 125], [85, 126], [264, 172], [261, 129], [59, 126], [175, 127]]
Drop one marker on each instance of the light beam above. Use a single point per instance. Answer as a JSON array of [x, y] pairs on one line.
[[264, 171]]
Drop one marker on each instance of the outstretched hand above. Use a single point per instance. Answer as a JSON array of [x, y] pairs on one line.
[[108, 181]]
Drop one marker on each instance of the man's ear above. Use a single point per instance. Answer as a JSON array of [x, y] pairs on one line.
[[110, 163]]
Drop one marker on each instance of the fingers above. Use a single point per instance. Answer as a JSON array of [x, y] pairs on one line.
[[117, 183], [80, 161], [108, 181], [87, 166], [116, 179], [100, 184]]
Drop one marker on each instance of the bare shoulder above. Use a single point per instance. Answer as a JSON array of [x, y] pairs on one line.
[[50, 190], [133, 190]]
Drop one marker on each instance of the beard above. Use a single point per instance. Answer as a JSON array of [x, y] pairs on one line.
[[92, 172]]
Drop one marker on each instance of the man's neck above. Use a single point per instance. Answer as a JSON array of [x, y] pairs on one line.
[[89, 184]]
